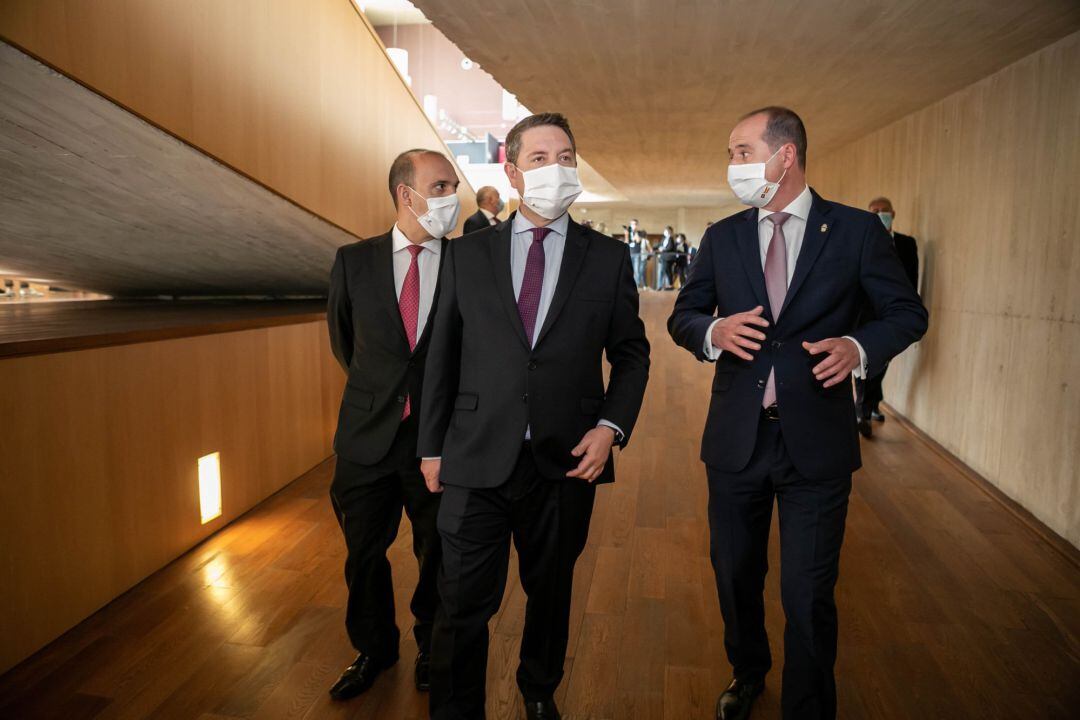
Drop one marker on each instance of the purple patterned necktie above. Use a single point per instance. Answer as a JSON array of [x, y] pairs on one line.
[[533, 282], [775, 286]]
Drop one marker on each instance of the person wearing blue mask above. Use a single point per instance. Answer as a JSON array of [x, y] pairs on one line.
[[869, 393]]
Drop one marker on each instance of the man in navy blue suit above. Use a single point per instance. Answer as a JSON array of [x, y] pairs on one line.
[[773, 298]]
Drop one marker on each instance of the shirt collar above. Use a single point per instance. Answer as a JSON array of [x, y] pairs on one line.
[[489, 215], [558, 227], [799, 207], [401, 242]]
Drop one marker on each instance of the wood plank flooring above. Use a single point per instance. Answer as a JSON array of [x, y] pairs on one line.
[[950, 607]]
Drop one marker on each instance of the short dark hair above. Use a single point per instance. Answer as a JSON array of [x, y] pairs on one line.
[[513, 138], [783, 126], [403, 169], [881, 199]]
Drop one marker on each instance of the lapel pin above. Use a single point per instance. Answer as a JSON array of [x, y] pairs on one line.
[[824, 227]]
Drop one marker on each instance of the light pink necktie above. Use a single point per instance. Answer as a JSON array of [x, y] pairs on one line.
[[775, 286], [409, 306]]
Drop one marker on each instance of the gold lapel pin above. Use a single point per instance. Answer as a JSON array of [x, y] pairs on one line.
[[824, 227]]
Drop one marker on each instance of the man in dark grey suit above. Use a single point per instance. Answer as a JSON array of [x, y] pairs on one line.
[[383, 292], [516, 427]]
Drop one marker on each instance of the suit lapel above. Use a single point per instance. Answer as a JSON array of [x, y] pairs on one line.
[[384, 281], [817, 232], [501, 237], [750, 253], [434, 299], [573, 255]]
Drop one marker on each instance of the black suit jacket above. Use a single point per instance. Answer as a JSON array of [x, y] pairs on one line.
[[369, 340], [846, 254], [477, 221], [484, 384], [908, 252]]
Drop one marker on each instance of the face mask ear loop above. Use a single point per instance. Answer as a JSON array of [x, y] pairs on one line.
[[411, 207], [784, 174]]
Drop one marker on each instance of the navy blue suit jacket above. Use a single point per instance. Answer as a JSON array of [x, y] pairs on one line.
[[847, 257]]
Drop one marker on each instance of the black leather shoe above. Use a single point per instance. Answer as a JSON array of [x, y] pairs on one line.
[[359, 676], [542, 710], [877, 415], [422, 672], [735, 702], [865, 429]]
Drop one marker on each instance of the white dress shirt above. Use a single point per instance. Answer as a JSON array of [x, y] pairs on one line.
[[492, 220], [794, 229], [521, 240], [428, 262]]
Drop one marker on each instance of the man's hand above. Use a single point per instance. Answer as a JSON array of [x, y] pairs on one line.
[[430, 469], [593, 451], [843, 358], [736, 334]]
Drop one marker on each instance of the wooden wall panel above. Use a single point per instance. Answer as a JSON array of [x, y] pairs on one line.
[[99, 451], [296, 94], [987, 181]]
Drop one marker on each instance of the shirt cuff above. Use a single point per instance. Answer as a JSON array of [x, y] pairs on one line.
[[859, 372], [432, 458], [619, 434], [711, 351]]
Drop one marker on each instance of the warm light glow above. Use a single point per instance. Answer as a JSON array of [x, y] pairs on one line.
[[209, 487]]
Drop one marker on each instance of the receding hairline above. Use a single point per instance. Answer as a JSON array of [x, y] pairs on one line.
[[403, 169]]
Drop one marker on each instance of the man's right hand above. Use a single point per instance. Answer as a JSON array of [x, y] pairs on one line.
[[736, 334], [430, 469]]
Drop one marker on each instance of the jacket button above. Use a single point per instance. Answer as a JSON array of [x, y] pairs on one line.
[[761, 383], [776, 344], [532, 365], [525, 397], [401, 398]]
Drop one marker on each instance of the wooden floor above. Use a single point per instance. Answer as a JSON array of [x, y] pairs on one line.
[[949, 606]]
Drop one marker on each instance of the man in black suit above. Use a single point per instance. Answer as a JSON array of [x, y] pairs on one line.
[[516, 427], [488, 206], [383, 292], [868, 393], [773, 299]]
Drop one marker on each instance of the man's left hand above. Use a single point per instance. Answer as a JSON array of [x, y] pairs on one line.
[[593, 450], [843, 358]]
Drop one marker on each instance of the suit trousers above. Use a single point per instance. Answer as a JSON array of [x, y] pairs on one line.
[[368, 500], [869, 394], [812, 517], [548, 521]]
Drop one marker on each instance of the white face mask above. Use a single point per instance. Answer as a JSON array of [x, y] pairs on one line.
[[749, 184], [441, 216], [550, 190]]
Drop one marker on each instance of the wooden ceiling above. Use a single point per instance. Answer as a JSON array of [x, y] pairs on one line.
[[653, 87], [93, 198]]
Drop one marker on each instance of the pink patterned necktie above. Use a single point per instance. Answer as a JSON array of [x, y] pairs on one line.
[[409, 306], [533, 282], [775, 285]]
